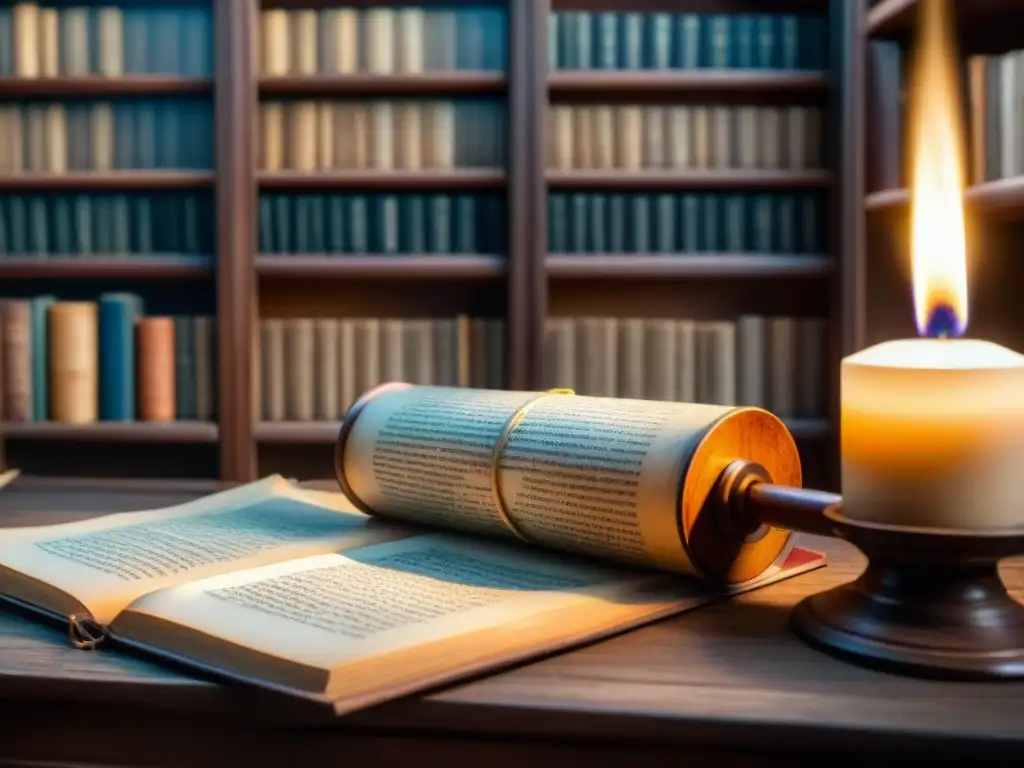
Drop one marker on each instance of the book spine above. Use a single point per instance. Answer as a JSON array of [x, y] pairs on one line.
[[156, 385], [74, 362], [116, 316], [16, 324], [40, 352]]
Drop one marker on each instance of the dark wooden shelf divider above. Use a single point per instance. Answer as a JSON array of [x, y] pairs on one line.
[[106, 268], [701, 81], [688, 179], [425, 84], [648, 266], [454, 179], [114, 431], [97, 86], [426, 266], [95, 181]]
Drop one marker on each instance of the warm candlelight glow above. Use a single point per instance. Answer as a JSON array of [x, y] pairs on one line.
[[938, 247]]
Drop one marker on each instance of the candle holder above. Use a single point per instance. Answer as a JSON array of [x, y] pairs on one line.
[[929, 604]]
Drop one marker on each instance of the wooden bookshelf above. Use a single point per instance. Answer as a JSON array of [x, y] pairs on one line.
[[682, 180], [186, 432], [104, 87], [97, 181], [425, 266], [685, 82], [644, 266], [456, 179], [521, 283], [112, 268], [427, 84], [895, 18]]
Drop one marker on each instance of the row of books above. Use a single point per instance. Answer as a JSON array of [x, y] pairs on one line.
[[634, 40], [314, 369], [309, 135], [996, 88], [382, 224], [86, 361], [776, 363], [105, 224], [41, 137], [39, 40], [688, 223], [631, 137], [381, 40]]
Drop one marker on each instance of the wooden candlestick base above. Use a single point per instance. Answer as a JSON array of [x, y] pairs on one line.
[[929, 604]]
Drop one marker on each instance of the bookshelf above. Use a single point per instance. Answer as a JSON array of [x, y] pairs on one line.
[[989, 41], [283, 265]]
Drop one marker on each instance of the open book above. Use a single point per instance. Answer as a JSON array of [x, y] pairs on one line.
[[296, 590]]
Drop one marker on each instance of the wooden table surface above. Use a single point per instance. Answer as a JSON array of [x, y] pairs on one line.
[[725, 680]]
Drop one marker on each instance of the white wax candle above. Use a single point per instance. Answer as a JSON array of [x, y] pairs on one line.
[[933, 434]]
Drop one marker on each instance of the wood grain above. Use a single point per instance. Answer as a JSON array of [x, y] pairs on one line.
[[726, 677]]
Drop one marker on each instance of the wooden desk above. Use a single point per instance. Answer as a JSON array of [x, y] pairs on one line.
[[726, 685]]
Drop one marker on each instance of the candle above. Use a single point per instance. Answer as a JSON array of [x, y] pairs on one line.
[[933, 434], [933, 428]]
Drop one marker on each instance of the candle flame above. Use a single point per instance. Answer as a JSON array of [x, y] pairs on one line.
[[938, 240]]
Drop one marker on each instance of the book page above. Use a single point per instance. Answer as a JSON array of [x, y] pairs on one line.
[[107, 562], [334, 612], [590, 475]]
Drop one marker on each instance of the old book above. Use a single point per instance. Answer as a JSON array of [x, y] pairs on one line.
[[629, 137], [602, 123], [494, 328], [654, 137], [304, 39], [325, 369], [271, 136], [686, 361], [392, 349], [409, 136], [16, 346], [679, 137], [49, 42], [368, 353], [205, 346], [348, 376], [560, 353], [409, 40], [701, 137], [418, 351], [382, 135], [299, 370], [25, 24], [101, 136], [74, 358], [301, 135], [117, 313], [631, 355], [583, 135], [156, 390], [751, 361], [184, 367], [661, 367], [560, 136], [379, 34], [275, 56], [297, 591], [782, 366], [110, 41], [439, 135], [34, 125], [272, 371]]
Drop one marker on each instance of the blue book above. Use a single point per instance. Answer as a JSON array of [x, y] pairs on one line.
[[117, 313], [765, 47], [336, 224], [40, 309], [6, 37]]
